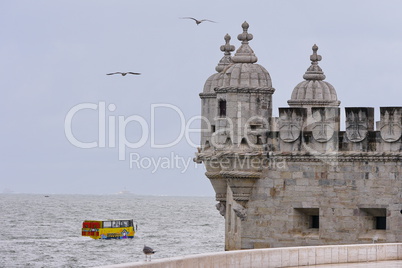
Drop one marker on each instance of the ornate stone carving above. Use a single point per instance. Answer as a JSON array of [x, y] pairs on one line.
[[257, 90], [221, 206], [219, 185], [241, 174], [337, 157], [325, 121], [290, 123], [358, 123], [391, 129], [240, 211], [207, 95]]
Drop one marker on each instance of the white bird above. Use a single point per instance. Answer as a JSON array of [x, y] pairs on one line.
[[198, 21], [123, 74], [148, 252]]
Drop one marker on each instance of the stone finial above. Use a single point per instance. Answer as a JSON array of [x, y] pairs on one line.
[[315, 57], [227, 59], [245, 36], [314, 72], [244, 54], [227, 48]]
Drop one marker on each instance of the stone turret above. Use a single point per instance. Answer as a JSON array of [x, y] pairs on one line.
[[244, 96], [208, 96], [314, 91], [243, 109]]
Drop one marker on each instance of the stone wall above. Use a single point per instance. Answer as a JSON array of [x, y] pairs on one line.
[[279, 257], [347, 194]]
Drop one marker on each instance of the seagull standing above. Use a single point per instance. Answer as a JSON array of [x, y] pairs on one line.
[[198, 21], [148, 252], [123, 74]]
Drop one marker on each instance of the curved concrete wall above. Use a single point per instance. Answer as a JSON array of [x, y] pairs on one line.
[[278, 257]]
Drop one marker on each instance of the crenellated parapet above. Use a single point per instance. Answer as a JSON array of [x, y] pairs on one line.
[[322, 134], [390, 128]]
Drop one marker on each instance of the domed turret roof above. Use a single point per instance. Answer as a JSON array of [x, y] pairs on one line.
[[212, 81], [244, 72], [314, 91]]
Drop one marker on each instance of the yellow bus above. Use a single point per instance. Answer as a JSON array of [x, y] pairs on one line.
[[109, 229]]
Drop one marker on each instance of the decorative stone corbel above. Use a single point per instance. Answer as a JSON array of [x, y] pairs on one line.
[[240, 211], [241, 183], [221, 206]]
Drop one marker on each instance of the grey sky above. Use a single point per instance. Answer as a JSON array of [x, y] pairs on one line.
[[54, 55]]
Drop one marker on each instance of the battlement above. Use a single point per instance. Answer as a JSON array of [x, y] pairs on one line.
[[294, 131]]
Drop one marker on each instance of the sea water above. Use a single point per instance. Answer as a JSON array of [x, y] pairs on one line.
[[45, 231]]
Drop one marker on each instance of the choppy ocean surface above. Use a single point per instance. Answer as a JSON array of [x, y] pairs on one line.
[[39, 231]]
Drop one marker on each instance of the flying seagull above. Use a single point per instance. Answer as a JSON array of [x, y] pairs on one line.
[[148, 252], [198, 21], [123, 74]]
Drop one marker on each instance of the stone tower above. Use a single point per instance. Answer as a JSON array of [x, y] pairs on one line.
[[297, 179]]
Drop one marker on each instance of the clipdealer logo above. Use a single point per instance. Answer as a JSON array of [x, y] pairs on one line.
[[173, 161], [112, 128], [111, 133]]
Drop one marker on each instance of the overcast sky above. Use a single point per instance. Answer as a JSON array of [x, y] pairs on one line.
[[54, 57]]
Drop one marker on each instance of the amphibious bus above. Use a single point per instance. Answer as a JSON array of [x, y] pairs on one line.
[[109, 229]]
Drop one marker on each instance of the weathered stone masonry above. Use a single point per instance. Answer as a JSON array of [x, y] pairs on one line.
[[297, 179]]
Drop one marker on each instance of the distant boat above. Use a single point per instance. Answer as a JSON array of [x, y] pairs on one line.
[[110, 229], [46, 196], [124, 192]]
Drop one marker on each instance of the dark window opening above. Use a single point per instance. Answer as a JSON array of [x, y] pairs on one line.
[[259, 140], [228, 142], [307, 219], [381, 223], [375, 218], [307, 137], [213, 128], [315, 222], [255, 126], [340, 142], [206, 146], [222, 108]]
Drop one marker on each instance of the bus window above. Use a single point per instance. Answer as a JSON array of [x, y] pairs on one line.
[[116, 224], [107, 224], [125, 224]]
